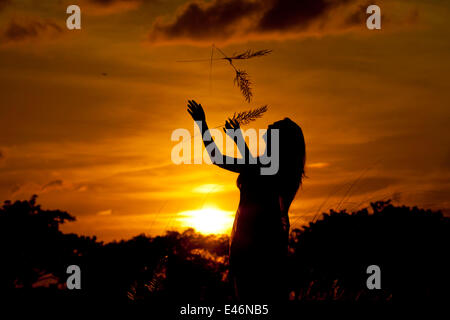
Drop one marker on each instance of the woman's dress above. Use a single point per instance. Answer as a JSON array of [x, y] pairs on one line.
[[259, 237]]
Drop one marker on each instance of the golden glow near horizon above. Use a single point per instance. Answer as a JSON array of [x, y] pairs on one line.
[[208, 188], [209, 220]]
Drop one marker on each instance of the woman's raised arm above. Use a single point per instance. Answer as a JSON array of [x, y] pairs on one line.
[[228, 163], [233, 130]]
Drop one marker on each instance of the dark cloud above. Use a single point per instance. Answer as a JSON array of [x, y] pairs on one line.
[[295, 14], [107, 7], [358, 16], [112, 2], [198, 20], [16, 31], [222, 19], [4, 3]]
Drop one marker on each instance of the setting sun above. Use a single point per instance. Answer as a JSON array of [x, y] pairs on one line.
[[207, 220]]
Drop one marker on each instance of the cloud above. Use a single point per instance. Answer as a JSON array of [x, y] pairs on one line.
[[52, 184], [35, 187], [105, 212], [4, 3], [225, 19], [317, 165], [22, 31], [112, 2], [105, 7], [203, 21], [295, 14]]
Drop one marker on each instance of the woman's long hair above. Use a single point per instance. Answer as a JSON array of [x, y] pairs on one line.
[[292, 154]]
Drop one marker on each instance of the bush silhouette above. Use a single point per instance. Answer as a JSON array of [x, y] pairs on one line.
[[327, 259]]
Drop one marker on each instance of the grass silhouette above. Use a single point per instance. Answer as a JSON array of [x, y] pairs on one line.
[[241, 78]]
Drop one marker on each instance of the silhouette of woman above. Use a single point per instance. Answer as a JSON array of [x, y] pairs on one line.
[[259, 239]]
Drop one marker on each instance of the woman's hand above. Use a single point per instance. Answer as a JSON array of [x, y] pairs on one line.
[[196, 111], [231, 124], [233, 130]]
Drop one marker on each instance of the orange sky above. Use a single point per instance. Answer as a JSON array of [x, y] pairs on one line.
[[373, 105]]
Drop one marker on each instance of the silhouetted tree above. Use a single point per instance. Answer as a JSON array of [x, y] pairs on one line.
[[327, 259], [30, 241]]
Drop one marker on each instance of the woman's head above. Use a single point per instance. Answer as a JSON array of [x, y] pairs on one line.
[[291, 159], [292, 154]]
